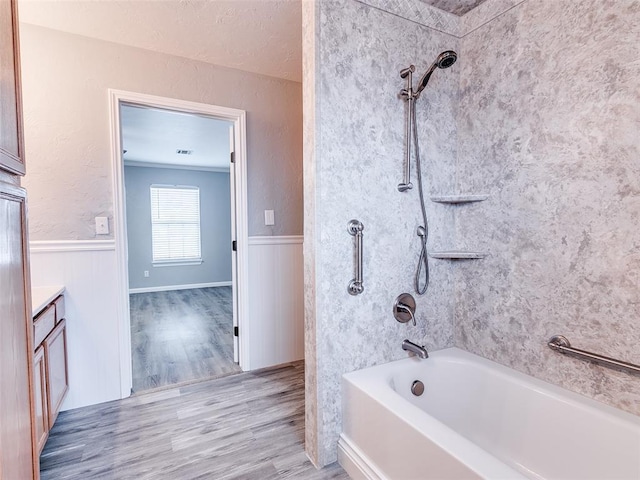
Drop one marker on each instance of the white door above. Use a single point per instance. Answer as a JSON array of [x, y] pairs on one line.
[[234, 253]]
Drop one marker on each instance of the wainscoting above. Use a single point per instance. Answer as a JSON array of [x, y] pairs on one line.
[[276, 300], [88, 270]]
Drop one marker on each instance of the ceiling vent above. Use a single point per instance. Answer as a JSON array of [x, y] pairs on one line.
[[184, 152]]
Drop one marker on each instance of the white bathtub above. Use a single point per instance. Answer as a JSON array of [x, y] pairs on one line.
[[478, 419]]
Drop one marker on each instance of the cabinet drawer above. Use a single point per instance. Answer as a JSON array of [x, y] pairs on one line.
[[43, 324], [60, 312]]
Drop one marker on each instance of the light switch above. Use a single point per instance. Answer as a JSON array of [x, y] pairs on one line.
[[269, 217], [102, 225]]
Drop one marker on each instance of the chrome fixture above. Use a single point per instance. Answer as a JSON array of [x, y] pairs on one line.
[[409, 95], [415, 348], [560, 344], [404, 308], [417, 388], [355, 229]]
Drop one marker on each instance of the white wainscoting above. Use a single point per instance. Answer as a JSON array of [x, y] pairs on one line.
[[88, 271], [276, 300]]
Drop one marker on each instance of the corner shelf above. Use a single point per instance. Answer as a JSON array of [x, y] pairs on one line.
[[458, 199], [458, 255]]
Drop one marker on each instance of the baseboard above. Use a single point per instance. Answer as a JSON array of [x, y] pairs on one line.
[[168, 288], [355, 463]]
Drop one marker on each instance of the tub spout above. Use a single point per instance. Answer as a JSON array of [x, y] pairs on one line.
[[417, 349]]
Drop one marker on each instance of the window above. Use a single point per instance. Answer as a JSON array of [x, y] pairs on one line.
[[175, 224]]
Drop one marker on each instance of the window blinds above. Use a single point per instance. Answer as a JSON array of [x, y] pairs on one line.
[[175, 223]]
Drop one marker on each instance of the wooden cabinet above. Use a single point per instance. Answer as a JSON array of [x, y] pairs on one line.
[[51, 376], [40, 396], [11, 144], [55, 351], [18, 459]]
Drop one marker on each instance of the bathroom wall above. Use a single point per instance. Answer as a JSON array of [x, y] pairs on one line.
[[548, 125], [544, 118], [65, 81], [215, 228], [353, 162]]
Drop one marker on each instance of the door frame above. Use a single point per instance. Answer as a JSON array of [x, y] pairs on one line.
[[238, 119]]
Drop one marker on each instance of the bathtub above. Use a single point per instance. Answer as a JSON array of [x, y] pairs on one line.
[[478, 419]]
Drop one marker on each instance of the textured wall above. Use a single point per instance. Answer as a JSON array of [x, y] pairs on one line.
[[65, 82], [539, 115], [352, 169], [215, 227], [549, 124]]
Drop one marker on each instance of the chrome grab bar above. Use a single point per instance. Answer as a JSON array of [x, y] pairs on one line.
[[355, 229], [560, 344]]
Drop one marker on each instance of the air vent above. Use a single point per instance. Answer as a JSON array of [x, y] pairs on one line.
[[184, 152]]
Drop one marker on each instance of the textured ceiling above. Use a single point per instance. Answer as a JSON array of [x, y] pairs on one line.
[[457, 7], [151, 135], [259, 36]]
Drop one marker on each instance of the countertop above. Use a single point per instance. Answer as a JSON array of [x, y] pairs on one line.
[[43, 296]]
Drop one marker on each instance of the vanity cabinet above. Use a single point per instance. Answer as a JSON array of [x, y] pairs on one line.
[[51, 375]]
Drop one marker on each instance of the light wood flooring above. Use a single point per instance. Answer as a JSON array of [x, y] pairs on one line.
[[181, 336], [247, 426]]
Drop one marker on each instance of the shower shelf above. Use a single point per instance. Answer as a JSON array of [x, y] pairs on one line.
[[457, 199], [458, 255]]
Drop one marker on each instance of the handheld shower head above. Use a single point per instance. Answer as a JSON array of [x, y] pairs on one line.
[[444, 60]]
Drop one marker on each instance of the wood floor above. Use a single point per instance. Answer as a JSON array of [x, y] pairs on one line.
[[181, 336], [247, 426]]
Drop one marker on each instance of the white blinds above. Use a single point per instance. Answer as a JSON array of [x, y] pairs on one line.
[[175, 223]]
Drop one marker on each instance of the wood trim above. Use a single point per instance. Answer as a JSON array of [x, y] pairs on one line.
[[41, 246], [277, 240]]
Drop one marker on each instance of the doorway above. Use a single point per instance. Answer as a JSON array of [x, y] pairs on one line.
[[192, 330]]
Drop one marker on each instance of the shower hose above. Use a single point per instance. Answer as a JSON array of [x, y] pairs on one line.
[[423, 230]]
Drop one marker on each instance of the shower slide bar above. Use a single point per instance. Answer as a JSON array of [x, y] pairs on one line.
[[560, 344], [355, 229]]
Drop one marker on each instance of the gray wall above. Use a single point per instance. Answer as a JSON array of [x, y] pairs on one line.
[[215, 227], [549, 126], [351, 171], [532, 114], [65, 81]]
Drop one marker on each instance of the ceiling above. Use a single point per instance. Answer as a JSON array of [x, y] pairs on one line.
[[258, 36], [152, 135]]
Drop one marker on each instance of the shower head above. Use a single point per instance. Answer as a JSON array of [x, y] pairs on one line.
[[444, 60]]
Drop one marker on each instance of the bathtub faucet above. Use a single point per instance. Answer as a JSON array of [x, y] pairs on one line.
[[417, 349]]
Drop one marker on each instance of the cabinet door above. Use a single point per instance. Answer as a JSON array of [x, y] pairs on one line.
[[40, 398], [11, 145], [17, 437], [55, 351]]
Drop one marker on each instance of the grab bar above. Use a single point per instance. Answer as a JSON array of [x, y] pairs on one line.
[[560, 344], [355, 229]]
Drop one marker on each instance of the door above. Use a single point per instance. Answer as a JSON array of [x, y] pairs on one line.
[[11, 145], [234, 250], [17, 456]]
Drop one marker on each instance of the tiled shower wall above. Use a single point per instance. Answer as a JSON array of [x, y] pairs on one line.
[[549, 126], [359, 138], [542, 113]]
